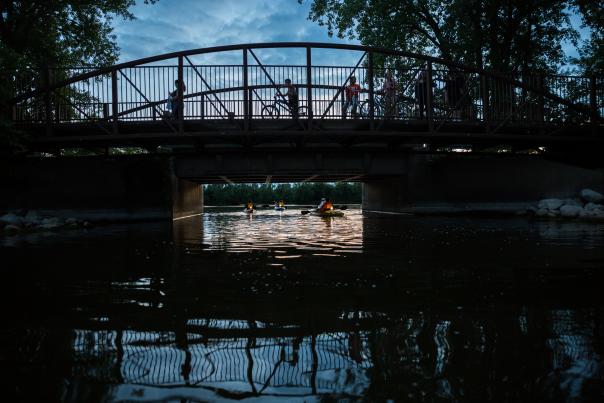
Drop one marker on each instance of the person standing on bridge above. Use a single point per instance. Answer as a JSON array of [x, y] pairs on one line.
[[389, 91], [292, 98], [352, 91], [421, 93], [174, 103]]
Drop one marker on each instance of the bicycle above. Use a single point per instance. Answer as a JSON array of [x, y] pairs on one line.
[[273, 111], [403, 107]]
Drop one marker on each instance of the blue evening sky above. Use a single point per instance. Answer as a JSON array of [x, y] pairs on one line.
[[173, 25]]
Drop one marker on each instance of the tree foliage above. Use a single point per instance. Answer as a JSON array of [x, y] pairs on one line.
[[36, 34], [60, 33], [591, 52], [510, 36], [296, 193]]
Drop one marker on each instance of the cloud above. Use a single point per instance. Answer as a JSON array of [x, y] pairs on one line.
[[174, 25]]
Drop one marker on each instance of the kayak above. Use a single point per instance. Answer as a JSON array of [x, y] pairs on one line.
[[279, 208], [330, 213]]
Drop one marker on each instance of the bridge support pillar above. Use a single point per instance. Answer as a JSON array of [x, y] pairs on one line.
[[187, 198], [434, 184]]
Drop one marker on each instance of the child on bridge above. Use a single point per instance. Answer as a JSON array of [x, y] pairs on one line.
[[352, 91]]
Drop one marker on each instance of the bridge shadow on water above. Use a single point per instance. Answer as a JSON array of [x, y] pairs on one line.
[[290, 307]]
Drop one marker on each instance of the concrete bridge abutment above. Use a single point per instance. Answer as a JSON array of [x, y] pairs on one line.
[[433, 184], [126, 188]]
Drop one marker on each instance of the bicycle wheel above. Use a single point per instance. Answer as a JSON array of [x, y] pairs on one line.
[[378, 111], [364, 110], [269, 112]]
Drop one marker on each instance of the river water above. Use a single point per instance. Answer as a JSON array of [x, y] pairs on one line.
[[287, 307]]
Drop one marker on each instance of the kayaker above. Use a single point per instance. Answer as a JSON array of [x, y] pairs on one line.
[[325, 205], [249, 206], [281, 204]]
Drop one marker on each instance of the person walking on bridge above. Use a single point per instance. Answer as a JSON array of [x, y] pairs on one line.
[[175, 104], [292, 98]]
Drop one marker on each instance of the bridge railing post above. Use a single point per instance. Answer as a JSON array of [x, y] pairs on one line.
[[371, 90], [429, 98], [593, 105], [180, 107], [246, 96], [114, 100], [309, 107], [250, 103], [47, 101], [540, 101], [484, 93]]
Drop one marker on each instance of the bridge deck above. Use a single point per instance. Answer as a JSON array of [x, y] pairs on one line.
[[297, 133]]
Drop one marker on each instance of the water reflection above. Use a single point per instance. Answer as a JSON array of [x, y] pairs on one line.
[[298, 308]]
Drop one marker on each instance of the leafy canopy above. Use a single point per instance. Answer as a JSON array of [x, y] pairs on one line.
[[504, 35], [37, 33]]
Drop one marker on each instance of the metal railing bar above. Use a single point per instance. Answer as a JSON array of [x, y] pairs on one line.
[[208, 85], [333, 100], [148, 101]]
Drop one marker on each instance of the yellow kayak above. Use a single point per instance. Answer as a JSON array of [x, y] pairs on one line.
[[330, 213]]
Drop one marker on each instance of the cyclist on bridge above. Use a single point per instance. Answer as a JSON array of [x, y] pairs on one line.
[[352, 91]]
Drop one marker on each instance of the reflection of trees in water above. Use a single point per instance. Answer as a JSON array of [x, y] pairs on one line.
[[449, 356]]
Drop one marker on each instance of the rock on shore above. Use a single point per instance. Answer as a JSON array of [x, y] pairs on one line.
[[589, 204], [29, 221]]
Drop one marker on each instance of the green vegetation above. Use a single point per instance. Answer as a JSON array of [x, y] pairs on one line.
[[511, 36], [40, 34], [291, 193]]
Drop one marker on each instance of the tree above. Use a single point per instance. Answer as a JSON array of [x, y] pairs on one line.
[[510, 36], [591, 52], [36, 34]]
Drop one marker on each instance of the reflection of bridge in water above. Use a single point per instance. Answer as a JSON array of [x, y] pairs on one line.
[[419, 346], [236, 104], [324, 363]]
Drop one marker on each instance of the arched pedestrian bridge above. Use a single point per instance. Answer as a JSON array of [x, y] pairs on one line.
[[447, 137], [234, 96]]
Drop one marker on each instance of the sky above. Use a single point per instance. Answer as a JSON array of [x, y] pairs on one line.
[[173, 25]]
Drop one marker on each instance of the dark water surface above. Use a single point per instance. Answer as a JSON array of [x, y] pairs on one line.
[[292, 308]]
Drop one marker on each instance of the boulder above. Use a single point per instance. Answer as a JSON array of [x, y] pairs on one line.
[[593, 206], [570, 211], [542, 212], [573, 202], [71, 221], [54, 221], [12, 219], [550, 204], [588, 195], [48, 226], [32, 217]]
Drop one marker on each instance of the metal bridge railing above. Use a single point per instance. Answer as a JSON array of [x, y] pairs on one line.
[[427, 89]]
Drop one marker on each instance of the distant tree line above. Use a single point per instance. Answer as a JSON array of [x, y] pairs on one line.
[[291, 193]]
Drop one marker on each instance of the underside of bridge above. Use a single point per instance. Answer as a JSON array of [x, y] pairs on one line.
[[170, 186]]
